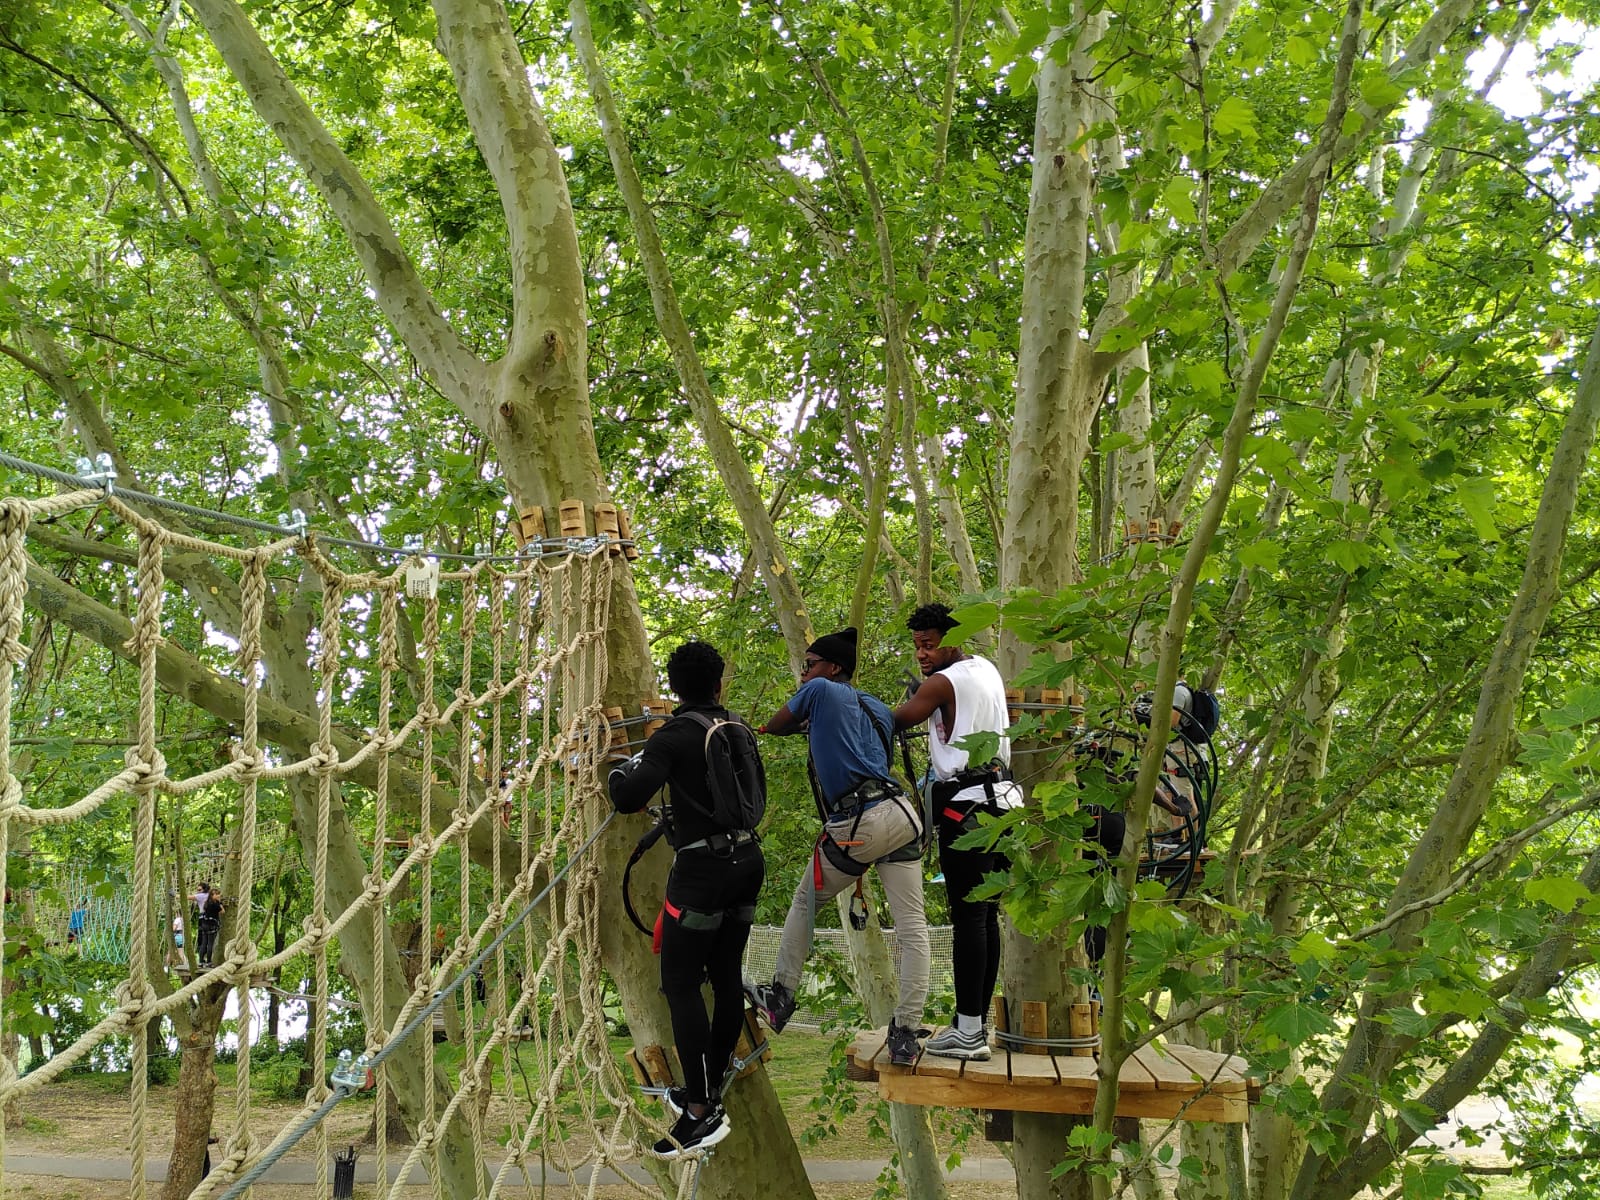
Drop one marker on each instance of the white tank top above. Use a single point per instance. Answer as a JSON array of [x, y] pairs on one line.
[[980, 708]]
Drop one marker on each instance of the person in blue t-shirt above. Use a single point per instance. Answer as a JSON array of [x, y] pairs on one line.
[[869, 821]]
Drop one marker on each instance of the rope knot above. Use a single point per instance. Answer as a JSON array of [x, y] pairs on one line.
[[10, 798], [13, 648], [16, 514], [130, 1005], [251, 763], [154, 768], [317, 928], [323, 759]]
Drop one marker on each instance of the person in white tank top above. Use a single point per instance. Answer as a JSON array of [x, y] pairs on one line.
[[963, 694]]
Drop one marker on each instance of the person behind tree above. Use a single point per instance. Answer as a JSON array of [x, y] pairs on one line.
[[210, 923], [1174, 810], [960, 695], [710, 898], [868, 822]]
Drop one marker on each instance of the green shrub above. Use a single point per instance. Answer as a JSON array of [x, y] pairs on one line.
[[279, 1078]]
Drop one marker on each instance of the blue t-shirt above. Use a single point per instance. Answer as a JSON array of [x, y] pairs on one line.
[[846, 745]]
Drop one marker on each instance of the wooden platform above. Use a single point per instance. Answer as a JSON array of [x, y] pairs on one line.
[[1160, 1082]]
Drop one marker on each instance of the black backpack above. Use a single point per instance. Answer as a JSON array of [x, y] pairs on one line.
[[736, 782], [1204, 710]]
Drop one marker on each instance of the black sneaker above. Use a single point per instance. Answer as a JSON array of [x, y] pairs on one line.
[[903, 1046], [773, 1001], [676, 1101], [691, 1134]]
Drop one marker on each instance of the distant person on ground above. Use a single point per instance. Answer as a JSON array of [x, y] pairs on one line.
[[717, 870], [962, 694], [868, 821]]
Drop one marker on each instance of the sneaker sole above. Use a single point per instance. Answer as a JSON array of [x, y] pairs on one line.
[[715, 1137], [963, 1055]]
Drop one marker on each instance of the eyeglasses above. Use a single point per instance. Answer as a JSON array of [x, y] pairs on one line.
[[812, 664]]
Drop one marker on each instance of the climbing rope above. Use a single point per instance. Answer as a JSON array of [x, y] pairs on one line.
[[494, 671]]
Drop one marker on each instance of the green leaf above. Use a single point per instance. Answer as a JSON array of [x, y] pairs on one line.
[[1208, 378], [1294, 1024], [1581, 706], [1263, 556], [1313, 947], [971, 619], [1116, 441], [1348, 556], [1563, 895], [1381, 92], [1179, 198], [1120, 337], [1235, 117], [1476, 496], [1300, 50]]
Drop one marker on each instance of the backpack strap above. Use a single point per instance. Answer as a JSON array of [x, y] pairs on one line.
[[639, 851]]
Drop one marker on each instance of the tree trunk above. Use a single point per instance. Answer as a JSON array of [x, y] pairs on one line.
[[195, 1101]]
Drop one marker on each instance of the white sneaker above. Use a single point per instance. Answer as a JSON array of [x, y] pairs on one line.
[[953, 1043]]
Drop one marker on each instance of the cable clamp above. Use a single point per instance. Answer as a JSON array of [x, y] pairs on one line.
[[99, 473], [294, 523], [355, 1075]]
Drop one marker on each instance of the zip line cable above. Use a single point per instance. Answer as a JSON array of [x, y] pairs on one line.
[[347, 1085], [103, 479]]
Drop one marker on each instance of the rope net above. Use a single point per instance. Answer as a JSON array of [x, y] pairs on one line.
[[439, 750]]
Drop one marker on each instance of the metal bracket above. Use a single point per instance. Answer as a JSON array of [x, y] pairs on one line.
[[294, 523], [100, 472]]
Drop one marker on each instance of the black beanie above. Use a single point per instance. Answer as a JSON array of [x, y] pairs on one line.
[[837, 648]]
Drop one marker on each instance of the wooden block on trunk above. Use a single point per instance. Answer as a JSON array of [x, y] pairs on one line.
[[657, 1066], [658, 710], [573, 523], [531, 521], [625, 532], [1081, 1023], [605, 526], [1035, 1024]]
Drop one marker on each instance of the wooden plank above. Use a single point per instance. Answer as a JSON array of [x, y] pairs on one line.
[[1135, 1076], [867, 1046], [938, 1064], [906, 1088], [993, 1072], [1209, 1065], [1170, 1074], [1033, 1070], [1076, 1071]]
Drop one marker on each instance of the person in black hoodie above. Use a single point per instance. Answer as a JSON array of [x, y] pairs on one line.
[[710, 898]]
